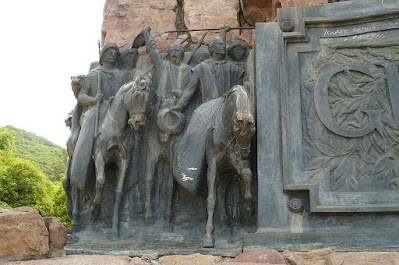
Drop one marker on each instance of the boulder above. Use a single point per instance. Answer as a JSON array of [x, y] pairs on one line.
[[22, 233], [293, 258], [58, 236]]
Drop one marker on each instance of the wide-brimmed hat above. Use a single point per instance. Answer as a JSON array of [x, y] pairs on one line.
[[171, 122]]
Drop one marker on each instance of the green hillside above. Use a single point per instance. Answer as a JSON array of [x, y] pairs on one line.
[[48, 157], [31, 172]]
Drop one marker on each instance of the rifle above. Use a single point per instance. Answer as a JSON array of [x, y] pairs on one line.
[[190, 30], [98, 103], [196, 48]]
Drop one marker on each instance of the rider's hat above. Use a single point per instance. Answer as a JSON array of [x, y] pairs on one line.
[[170, 122], [106, 47]]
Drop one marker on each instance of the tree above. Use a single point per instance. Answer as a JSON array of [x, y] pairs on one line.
[[55, 170], [22, 184]]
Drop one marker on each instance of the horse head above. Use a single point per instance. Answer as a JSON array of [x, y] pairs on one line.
[[77, 83], [136, 101], [243, 121]]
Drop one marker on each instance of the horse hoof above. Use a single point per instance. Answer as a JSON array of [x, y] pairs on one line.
[[72, 239], [209, 242], [249, 208], [95, 212], [113, 235], [223, 221], [75, 228], [149, 220], [168, 227]]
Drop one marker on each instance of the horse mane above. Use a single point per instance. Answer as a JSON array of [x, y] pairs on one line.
[[138, 92], [243, 102]]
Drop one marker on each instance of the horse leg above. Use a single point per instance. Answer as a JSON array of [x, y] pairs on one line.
[[100, 181], [75, 213], [119, 189], [138, 204], [68, 189], [149, 219], [246, 177], [169, 201], [221, 187], [209, 241]]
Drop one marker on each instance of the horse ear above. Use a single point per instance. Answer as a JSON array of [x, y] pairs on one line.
[[137, 79]]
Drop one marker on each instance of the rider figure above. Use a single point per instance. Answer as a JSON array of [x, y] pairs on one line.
[[215, 76], [99, 88]]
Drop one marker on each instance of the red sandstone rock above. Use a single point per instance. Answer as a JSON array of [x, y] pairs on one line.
[[363, 258], [22, 233], [84, 260], [260, 256], [211, 14], [259, 11], [57, 233], [291, 3], [293, 258], [248, 36], [188, 259], [124, 19], [317, 254]]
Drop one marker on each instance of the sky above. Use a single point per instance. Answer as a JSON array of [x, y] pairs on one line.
[[43, 44]]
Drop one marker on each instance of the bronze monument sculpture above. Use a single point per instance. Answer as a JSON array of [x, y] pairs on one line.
[[163, 137], [322, 170]]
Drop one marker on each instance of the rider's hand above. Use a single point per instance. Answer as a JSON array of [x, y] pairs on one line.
[[226, 28], [99, 97], [146, 29], [176, 108]]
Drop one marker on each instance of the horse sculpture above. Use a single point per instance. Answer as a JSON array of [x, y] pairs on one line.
[[72, 192], [219, 132], [228, 145], [159, 153], [111, 144]]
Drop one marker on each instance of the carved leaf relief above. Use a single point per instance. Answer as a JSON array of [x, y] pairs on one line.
[[354, 137]]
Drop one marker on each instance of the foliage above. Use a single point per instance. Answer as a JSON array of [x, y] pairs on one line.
[[22, 184], [49, 157], [26, 183]]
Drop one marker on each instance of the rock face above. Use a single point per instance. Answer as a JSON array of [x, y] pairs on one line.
[[22, 233], [123, 19], [211, 14], [57, 233]]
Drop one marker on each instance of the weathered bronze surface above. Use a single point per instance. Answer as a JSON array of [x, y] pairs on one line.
[[328, 134], [159, 153], [162, 153]]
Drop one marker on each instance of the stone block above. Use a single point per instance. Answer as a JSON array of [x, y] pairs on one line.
[[364, 258], [260, 256], [188, 259], [57, 233], [22, 233]]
